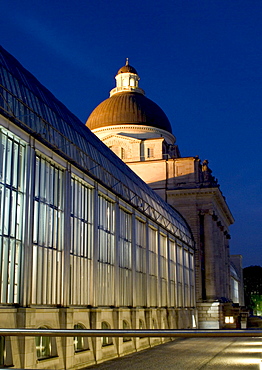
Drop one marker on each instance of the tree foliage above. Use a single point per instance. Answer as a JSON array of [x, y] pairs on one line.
[[253, 288]]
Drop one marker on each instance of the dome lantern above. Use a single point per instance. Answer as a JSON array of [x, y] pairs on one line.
[[127, 80]]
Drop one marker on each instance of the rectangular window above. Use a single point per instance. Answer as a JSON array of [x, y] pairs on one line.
[[163, 268], [186, 279], [12, 199], [173, 279], [192, 280], [48, 232], [150, 152], [81, 241], [140, 233], [106, 251], [180, 277], [153, 266], [125, 257]]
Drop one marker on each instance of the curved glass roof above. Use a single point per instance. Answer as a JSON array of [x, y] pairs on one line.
[[31, 106]]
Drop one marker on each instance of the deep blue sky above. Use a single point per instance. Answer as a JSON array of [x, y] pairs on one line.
[[199, 60]]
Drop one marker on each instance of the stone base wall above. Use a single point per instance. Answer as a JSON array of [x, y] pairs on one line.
[[210, 315], [21, 352]]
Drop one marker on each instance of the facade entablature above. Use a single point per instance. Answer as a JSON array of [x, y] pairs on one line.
[[135, 131], [209, 198]]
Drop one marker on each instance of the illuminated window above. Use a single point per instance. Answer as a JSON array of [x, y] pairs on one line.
[[81, 241], [229, 320], [180, 278], [132, 82], [193, 321], [173, 279], [80, 343], [48, 231], [163, 268], [106, 251], [106, 341], [125, 258], [141, 282], [12, 198], [45, 347], [153, 265]]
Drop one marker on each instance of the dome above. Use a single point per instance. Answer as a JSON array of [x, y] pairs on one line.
[[128, 108], [127, 69]]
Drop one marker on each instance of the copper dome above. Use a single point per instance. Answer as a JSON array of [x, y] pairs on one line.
[[127, 69], [128, 108]]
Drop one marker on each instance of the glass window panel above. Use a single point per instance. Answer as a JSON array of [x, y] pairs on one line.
[[47, 233], [106, 341], [106, 230], [11, 215], [80, 343], [125, 251], [15, 165], [7, 211], [8, 162]]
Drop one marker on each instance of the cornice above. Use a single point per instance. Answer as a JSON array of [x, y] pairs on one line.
[[201, 193], [136, 128]]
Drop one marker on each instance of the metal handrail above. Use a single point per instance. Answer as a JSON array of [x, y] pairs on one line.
[[129, 333]]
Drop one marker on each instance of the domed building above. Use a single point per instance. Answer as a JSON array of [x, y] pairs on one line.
[[131, 124], [139, 132]]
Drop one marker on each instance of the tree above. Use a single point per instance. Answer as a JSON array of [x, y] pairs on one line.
[[253, 288]]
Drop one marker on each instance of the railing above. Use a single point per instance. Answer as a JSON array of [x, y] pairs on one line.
[[128, 333]]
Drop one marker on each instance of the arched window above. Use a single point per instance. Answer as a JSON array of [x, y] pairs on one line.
[[126, 326], [132, 82], [80, 343], [45, 347], [106, 341], [141, 325]]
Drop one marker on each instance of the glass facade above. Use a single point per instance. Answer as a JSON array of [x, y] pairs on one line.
[[109, 254], [77, 226]]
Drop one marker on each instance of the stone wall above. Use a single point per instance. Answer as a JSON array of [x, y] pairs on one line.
[[21, 352]]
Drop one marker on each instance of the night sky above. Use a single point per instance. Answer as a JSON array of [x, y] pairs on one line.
[[199, 60]]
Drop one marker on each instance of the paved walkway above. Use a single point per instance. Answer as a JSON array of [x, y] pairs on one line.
[[193, 354]]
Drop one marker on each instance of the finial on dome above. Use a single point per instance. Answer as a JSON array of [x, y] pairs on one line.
[[127, 62]]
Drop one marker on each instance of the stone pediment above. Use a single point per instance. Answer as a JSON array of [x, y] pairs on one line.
[[114, 139]]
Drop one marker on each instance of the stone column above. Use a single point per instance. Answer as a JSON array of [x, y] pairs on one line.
[[210, 278]]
